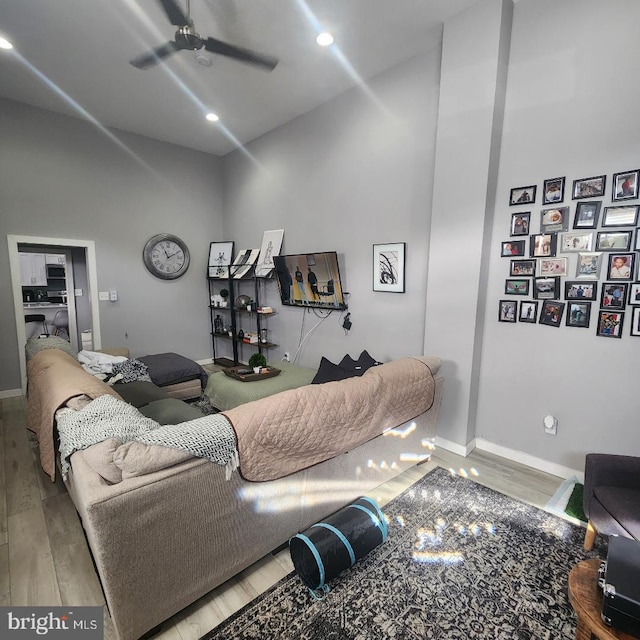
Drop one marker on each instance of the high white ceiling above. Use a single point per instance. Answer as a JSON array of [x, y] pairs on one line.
[[72, 56]]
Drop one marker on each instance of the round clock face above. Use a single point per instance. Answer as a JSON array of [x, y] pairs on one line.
[[166, 256]]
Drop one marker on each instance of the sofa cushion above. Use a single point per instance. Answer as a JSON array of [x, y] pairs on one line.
[[137, 459], [100, 458], [170, 411], [330, 372], [623, 505], [139, 393], [171, 368]]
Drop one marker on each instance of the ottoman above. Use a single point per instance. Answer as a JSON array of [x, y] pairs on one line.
[[178, 376]]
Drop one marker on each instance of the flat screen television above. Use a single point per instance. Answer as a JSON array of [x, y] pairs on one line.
[[310, 280]]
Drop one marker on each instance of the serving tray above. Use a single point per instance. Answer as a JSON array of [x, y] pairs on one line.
[[235, 372]]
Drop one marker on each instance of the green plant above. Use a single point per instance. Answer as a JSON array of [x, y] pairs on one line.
[[224, 293], [257, 360]]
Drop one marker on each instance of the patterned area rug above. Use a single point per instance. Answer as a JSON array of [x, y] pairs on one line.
[[461, 561]]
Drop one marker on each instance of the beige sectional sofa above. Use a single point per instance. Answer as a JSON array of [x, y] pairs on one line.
[[168, 527]]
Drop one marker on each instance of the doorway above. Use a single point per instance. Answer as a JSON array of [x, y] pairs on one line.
[[81, 260]]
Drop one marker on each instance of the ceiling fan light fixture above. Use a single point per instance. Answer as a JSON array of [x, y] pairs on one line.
[[5, 44], [212, 117], [324, 39]]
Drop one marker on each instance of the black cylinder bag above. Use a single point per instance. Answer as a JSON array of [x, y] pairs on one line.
[[325, 549]]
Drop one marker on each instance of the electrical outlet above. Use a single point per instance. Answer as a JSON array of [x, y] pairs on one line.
[[550, 425], [286, 356]]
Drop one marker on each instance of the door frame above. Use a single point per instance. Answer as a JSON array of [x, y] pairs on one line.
[[16, 282]]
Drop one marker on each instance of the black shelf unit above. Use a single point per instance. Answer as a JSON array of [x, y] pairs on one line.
[[233, 318]]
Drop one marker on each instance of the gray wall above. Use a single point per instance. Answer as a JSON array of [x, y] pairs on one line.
[[354, 172], [571, 110], [61, 177]]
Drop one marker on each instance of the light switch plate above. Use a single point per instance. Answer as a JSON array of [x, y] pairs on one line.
[[78, 293], [103, 295]]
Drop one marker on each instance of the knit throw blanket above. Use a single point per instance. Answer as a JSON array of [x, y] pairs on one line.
[[210, 437]]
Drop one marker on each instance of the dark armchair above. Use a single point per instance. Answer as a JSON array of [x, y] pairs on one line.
[[611, 496]]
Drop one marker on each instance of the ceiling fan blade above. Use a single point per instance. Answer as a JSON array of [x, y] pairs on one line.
[[175, 14], [268, 63], [153, 57]]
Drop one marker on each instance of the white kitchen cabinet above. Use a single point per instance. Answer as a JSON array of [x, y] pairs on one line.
[[33, 269]]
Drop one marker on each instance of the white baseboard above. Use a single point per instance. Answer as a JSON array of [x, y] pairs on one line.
[[529, 460], [205, 361], [511, 454], [10, 393]]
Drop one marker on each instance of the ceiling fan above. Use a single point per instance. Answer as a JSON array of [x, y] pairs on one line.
[[189, 39]]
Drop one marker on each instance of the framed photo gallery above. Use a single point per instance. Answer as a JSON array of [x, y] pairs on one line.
[[572, 250]]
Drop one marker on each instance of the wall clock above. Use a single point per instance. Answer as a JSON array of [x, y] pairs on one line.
[[166, 256]]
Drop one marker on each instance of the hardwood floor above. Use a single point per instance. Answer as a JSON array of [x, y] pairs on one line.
[[44, 558]]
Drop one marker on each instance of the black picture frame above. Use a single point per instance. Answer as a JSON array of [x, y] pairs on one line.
[[522, 195], [220, 259], [620, 216], [553, 190], [554, 220], [580, 290], [592, 187], [543, 245], [528, 311], [614, 295], [547, 288], [512, 248], [635, 322], [634, 293], [522, 268], [578, 314], [551, 313], [587, 214], [613, 240], [517, 286], [507, 311], [621, 266], [625, 185], [610, 324], [520, 223]]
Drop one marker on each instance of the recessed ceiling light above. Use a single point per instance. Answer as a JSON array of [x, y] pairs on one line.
[[5, 44], [212, 117], [324, 39]]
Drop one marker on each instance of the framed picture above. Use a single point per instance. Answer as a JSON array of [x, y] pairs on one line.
[[635, 322], [625, 185], [512, 248], [552, 267], [613, 296], [551, 313], [388, 267], [517, 287], [528, 311], [637, 245], [587, 214], [543, 245], [520, 223], [575, 242], [553, 191], [522, 195], [580, 290], [522, 268], [546, 288], [613, 240], [589, 187], [634, 293], [552, 220], [271, 245], [610, 324], [621, 266], [578, 314], [507, 311], [621, 216], [588, 266], [220, 257]]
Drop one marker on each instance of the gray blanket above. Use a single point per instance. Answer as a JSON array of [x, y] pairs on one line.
[[210, 437]]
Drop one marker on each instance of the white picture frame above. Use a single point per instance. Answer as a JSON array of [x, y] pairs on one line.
[[388, 267]]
